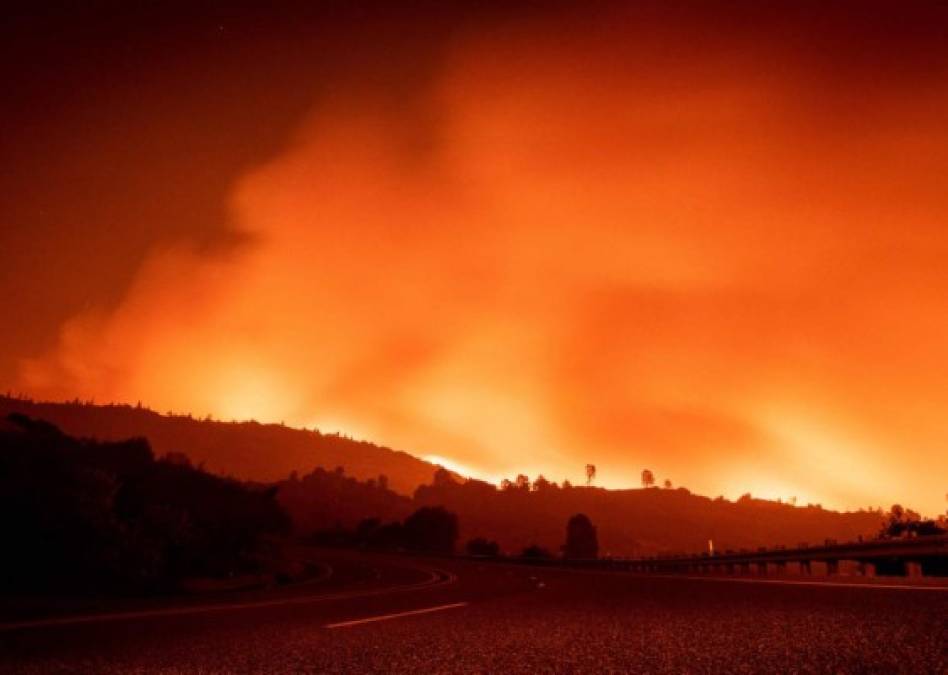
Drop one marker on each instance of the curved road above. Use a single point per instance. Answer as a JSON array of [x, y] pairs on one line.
[[383, 614]]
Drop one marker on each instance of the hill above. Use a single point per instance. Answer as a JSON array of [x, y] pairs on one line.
[[244, 450], [323, 500], [377, 482], [638, 521], [629, 522], [85, 515]]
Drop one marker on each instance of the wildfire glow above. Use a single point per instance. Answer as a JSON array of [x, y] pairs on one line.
[[577, 243]]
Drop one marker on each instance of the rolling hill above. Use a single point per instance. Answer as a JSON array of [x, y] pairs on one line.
[[641, 521], [316, 494], [245, 450]]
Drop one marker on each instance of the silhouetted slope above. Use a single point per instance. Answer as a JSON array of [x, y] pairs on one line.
[[245, 450], [329, 499], [638, 522], [628, 521], [81, 514]]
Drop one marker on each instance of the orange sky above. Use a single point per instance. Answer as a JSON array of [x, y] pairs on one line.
[[609, 240]]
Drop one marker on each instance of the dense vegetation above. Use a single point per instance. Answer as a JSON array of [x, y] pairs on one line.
[[245, 450], [430, 529], [532, 515], [581, 539], [377, 483], [82, 514], [88, 515], [524, 514], [327, 500], [901, 522]]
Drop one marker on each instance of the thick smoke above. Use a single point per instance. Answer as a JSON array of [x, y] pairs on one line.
[[578, 246]]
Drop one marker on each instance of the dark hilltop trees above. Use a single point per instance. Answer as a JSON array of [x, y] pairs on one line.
[[901, 522], [648, 478], [479, 546], [536, 552], [581, 539], [235, 447], [590, 473], [87, 515], [324, 500], [431, 529]]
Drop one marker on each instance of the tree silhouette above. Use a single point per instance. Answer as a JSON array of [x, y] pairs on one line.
[[87, 515], [590, 473], [581, 539], [536, 552], [431, 528], [542, 483], [900, 521], [366, 529], [442, 477], [482, 547], [523, 482], [648, 478], [668, 484]]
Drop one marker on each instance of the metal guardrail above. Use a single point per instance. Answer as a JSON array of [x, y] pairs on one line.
[[914, 556], [859, 551]]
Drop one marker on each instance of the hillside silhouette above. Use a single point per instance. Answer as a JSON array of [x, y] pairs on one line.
[[244, 450], [647, 521], [329, 482], [637, 521], [326, 500], [86, 515]]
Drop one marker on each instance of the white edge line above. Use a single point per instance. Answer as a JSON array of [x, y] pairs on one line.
[[397, 615], [433, 581]]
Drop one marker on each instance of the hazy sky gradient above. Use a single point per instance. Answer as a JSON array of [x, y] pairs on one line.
[[707, 243]]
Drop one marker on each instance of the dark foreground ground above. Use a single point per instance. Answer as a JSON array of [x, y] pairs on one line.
[[493, 618]]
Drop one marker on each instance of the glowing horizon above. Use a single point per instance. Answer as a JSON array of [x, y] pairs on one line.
[[769, 489], [634, 239]]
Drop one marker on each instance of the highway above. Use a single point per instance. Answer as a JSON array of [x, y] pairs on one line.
[[384, 614]]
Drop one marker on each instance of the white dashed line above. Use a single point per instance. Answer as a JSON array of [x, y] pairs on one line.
[[386, 617]]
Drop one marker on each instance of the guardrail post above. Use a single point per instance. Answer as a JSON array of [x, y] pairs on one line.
[[762, 568], [805, 568], [913, 569], [867, 569], [781, 567], [832, 567]]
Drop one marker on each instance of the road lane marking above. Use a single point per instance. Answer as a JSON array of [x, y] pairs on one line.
[[398, 615], [435, 579], [794, 582]]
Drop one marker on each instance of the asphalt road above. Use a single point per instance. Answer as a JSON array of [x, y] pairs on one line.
[[378, 614]]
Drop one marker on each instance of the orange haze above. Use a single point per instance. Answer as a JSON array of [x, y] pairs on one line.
[[581, 243]]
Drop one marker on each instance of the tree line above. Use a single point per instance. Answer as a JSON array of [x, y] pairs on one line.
[[434, 530], [86, 514], [80, 514]]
